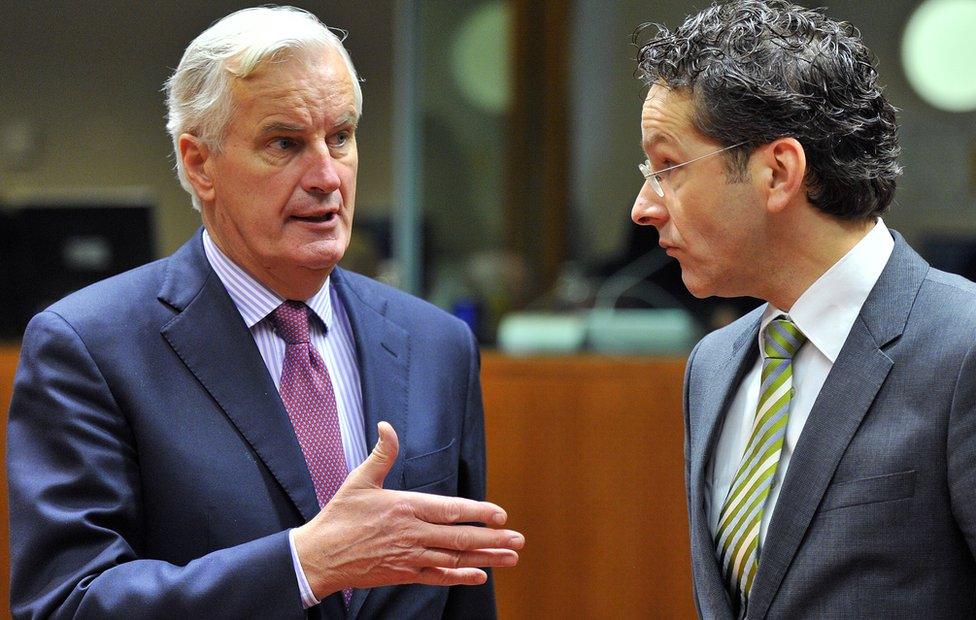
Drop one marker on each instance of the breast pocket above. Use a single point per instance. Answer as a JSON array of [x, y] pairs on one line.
[[433, 472], [873, 490]]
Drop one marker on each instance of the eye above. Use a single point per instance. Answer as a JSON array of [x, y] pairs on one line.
[[340, 139], [283, 144]]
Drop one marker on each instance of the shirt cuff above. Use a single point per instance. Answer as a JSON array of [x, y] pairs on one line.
[[308, 598]]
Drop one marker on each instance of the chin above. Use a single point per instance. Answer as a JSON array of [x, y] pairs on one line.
[[320, 264], [700, 293], [696, 287], [322, 255]]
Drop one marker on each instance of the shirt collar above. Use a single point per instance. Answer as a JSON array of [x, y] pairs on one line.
[[254, 300], [826, 311]]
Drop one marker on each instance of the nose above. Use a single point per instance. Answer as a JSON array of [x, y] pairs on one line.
[[321, 176], [649, 209]]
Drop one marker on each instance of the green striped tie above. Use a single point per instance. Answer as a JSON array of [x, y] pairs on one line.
[[741, 516]]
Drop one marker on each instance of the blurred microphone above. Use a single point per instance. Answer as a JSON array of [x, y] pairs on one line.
[[632, 282]]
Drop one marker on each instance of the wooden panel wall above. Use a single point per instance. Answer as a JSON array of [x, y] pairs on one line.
[[586, 455], [8, 365]]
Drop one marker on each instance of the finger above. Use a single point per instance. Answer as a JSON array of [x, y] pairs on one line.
[[372, 472], [439, 509], [435, 576], [469, 538], [480, 558]]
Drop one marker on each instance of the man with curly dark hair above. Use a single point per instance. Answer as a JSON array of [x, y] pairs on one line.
[[831, 433]]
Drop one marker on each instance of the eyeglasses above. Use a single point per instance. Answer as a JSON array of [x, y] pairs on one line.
[[654, 178]]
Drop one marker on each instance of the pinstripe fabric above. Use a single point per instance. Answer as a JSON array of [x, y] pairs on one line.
[[737, 537], [331, 336]]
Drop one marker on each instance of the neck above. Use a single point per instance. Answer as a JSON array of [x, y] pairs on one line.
[[811, 244], [299, 285], [288, 282]]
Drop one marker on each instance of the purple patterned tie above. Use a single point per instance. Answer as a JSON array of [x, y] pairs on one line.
[[306, 390]]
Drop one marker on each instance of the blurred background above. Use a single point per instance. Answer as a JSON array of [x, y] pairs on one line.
[[498, 152]]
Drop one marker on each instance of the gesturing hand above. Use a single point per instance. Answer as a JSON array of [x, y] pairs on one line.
[[368, 536]]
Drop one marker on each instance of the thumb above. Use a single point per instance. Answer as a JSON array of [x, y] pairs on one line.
[[372, 472]]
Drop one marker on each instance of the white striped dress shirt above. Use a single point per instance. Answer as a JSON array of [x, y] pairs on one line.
[[331, 336]]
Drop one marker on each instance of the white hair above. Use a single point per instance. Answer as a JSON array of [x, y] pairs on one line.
[[198, 94]]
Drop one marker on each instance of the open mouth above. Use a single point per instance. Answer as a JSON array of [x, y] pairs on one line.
[[326, 217]]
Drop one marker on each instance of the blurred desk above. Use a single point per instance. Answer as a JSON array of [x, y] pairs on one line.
[[586, 454]]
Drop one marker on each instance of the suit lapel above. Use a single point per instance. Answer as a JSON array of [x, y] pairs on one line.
[[716, 398], [210, 336], [382, 348], [848, 392]]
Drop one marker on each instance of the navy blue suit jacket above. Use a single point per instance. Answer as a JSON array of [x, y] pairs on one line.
[[154, 472]]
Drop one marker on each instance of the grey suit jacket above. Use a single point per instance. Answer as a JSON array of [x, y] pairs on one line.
[[877, 512]]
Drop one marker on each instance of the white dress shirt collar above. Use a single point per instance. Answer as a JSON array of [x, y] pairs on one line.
[[826, 311], [254, 300]]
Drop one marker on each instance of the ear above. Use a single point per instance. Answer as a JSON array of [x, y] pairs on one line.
[[786, 167], [196, 157]]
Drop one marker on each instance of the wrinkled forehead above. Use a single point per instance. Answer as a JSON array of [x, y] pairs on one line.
[[319, 78]]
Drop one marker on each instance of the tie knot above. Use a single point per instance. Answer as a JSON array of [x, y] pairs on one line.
[[782, 339], [290, 320]]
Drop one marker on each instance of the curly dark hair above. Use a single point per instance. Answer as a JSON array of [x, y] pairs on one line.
[[761, 70]]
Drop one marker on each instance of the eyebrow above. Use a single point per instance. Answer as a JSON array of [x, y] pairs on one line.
[[287, 127], [350, 118], [657, 139], [281, 126]]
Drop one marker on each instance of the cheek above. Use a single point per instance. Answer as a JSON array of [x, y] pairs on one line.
[[256, 207], [348, 174], [348, 192], [268, 195], [247, 182], [689, 227], [349, 188]]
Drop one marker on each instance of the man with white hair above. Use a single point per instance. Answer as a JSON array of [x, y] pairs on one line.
[[189, 439]]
